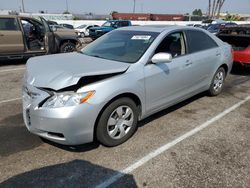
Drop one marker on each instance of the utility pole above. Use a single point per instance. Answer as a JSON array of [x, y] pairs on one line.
[[23, 9], [134, 6], [67, 6], [209, 8], [142, 8]]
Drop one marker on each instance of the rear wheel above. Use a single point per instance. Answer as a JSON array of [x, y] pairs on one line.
[[217, 82], [118, 122], [67, 47]]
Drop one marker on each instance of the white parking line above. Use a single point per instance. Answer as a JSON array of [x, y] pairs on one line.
[[167, 146], [10, 70], [10, 100]]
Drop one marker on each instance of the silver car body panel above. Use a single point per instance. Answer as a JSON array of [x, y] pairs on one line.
[[157, 86], [63, 70]]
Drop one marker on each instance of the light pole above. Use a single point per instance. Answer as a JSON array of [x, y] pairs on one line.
[[134, 6], [67, 6], [23, 9]]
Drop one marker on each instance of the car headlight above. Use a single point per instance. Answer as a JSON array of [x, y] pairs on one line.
[[67, 99]]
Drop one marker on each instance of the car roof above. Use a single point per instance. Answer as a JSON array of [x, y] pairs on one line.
[[154, 28], [8, 16]]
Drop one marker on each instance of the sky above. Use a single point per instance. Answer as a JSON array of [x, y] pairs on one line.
[[107, 6]]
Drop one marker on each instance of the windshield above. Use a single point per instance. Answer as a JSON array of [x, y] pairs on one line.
[[81, 27], [108, 24], [122, 46]]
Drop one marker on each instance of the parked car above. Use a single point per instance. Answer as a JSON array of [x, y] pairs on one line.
[[215, 28], [119, 79], [83, 30], [23, 37], [96, 32], [67, 26], [239, 38], [52, 22]]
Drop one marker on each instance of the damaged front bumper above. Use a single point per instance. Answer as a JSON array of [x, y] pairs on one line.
[[66, 125]]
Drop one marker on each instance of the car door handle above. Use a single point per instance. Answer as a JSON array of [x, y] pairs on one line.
[[218, 53]]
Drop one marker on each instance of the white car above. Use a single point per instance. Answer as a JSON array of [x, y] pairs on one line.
[[83, 30]]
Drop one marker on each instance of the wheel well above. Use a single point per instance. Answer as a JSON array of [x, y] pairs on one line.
[[67, 40], [224, 66], [132, 96]]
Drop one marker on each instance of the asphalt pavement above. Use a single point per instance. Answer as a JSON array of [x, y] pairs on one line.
[[201, 142]]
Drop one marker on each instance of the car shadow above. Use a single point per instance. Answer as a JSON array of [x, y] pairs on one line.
[[240, 70], [171, 109], [76, 148], [14, 137], [13, 62], [76, 173]]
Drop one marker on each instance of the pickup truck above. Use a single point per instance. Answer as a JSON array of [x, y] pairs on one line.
[[96, 32], [24, 37]]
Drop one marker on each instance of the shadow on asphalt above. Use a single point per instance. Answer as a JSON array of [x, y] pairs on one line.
[[77, 148], [15, 137], [77, 173], [13, 62], [240, 70]]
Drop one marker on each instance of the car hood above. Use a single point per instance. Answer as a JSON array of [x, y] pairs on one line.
[[101, 28], [63, 70]]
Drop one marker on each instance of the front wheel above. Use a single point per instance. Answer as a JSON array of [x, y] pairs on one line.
[[118, 122], [217, 82], [67, 47]]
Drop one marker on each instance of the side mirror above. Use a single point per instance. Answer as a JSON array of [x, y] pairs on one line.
[[162, 58]]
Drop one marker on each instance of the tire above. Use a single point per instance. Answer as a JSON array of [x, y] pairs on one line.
[[114, 129], [82, 35], [67, 47], [217, 83]]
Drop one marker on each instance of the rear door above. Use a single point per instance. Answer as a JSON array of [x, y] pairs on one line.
[[49, 38], [205, 55], [11, 36]]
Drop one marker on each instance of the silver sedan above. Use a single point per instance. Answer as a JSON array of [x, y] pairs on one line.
[[123, 77]]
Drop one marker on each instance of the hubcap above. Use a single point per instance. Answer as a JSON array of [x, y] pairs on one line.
[[68, 48], [218, 81], [120, 122]]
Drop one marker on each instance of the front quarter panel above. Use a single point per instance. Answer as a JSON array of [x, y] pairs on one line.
[[132, 81]]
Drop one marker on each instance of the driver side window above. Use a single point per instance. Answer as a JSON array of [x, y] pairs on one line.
[[173, 44]]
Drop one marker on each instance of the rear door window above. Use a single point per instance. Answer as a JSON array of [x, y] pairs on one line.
[[124, 24], [199, 41], [8, 24]]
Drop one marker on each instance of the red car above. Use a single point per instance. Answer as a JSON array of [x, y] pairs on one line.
[[239, 38]]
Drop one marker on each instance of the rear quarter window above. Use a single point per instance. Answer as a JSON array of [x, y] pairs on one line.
[[8, 24], [199, 41]]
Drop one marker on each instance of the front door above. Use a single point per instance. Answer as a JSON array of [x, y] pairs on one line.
[[168, 82], [11, 37], [49, 38]]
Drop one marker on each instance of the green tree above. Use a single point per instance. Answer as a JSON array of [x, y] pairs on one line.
[[197, 12], [230, 17], [66, 12]]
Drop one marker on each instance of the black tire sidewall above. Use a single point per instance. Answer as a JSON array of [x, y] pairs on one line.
[[64, 45], [212, 92], [101, 130]]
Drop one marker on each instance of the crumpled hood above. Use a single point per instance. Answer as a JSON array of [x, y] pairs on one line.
[[63, 70]]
